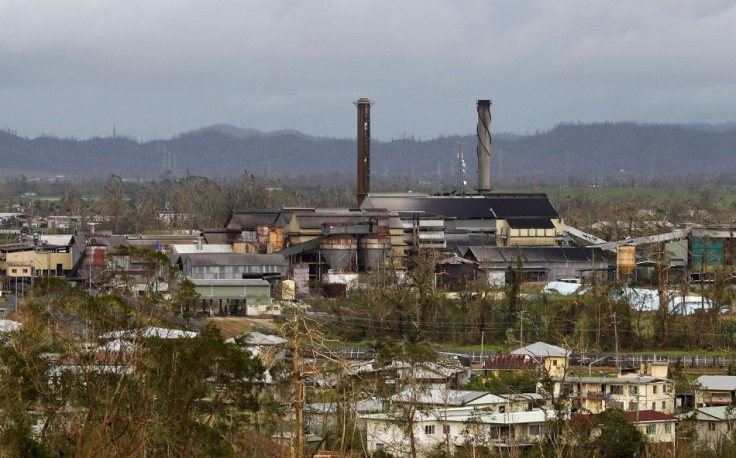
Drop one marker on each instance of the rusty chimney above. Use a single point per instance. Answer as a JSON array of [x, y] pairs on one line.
[[364, 148], [484, 146]]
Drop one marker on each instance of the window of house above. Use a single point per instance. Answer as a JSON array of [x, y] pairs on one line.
[[14, 271], [379, 446], [501, 409], [25, 271], [668, 427], [632, 406], [445, 429], [654, 406], [554, 362], [429, 429], [633, 390], [651, 429], [664, 405], [617, 389], [535, 430], [711, 426], [654, 389]]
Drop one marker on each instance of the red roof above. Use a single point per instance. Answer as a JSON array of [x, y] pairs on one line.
[[648, 415], [518, 362], [643, 415]]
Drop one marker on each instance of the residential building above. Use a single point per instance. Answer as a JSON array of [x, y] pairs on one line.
[[658, 428], [550, 359], [455, 418], [712, 424], [645, 389], [715, 390]]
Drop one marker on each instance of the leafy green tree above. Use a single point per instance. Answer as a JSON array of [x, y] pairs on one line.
[[146, 396], [618, 437]]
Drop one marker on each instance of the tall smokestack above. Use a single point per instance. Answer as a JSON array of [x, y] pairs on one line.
[[484, 146], [364, 148]]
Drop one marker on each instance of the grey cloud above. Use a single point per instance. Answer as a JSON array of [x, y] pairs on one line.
[[274, 64]]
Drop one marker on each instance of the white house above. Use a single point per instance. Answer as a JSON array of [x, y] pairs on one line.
[[452, 418]]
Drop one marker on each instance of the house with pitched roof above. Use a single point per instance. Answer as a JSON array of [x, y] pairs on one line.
[[712, 424], [715, 390]]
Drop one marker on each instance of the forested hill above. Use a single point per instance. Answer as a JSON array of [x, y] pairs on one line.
[[604, 149]]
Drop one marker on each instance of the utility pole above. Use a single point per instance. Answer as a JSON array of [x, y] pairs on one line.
[[615, 333], [482, 337]]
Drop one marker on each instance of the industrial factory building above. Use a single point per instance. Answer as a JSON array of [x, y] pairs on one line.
[[386, 228]]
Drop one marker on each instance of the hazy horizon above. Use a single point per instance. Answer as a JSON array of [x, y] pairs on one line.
[[157, 69]]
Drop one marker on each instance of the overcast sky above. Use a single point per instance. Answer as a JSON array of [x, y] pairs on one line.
[[156, 68]]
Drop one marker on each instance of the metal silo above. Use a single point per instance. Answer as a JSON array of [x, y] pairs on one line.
[[338, 251], [373, 251]]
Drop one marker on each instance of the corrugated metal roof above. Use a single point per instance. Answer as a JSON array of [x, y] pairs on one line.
[[234, 259], [229, 282], [509, 255], [56, 240], [717, 382], [205, 248], [541, 349], [436, 396], [715, 412], [250, 220], [315, 220]]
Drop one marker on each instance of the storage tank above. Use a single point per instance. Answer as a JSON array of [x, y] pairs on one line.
[[262, 232], [338, 251], [373, 251], [625, 259], [288, 290], [301, 279], [276, 238]]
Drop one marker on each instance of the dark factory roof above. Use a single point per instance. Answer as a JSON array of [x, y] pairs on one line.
[[250, 220], [490, 206], [530, 223], [317, 219]]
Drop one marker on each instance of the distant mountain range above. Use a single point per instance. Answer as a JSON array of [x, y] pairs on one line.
[[600, 149]]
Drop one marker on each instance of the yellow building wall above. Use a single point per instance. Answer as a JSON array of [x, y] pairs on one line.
[[25, 263], [507, 236]]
